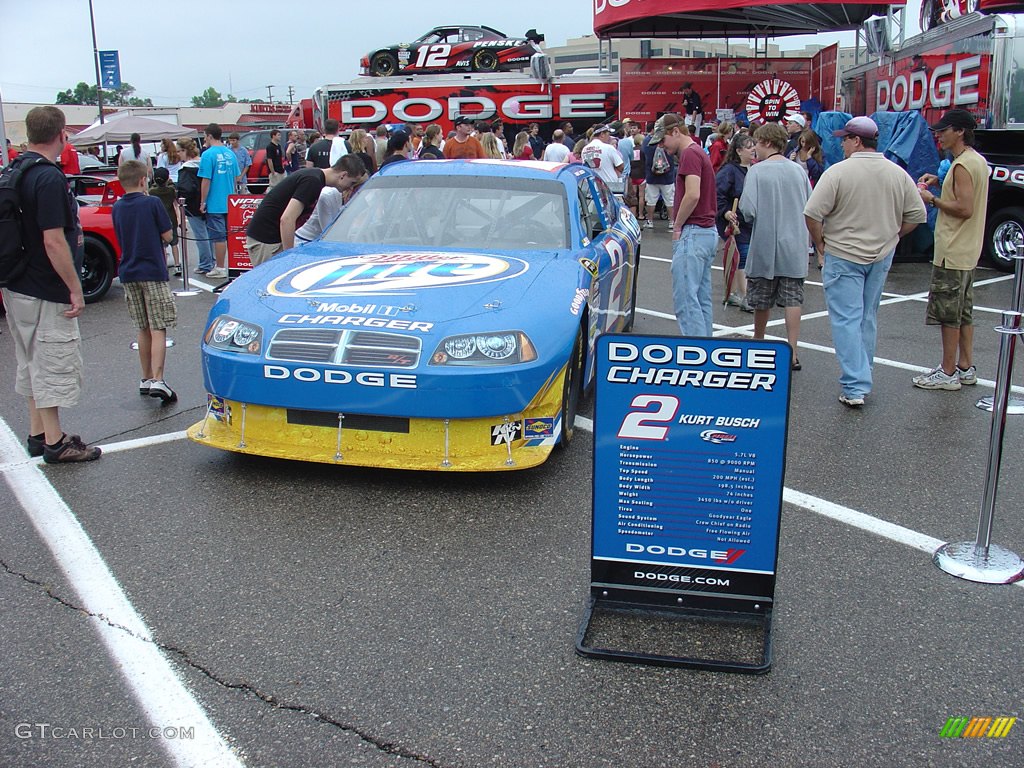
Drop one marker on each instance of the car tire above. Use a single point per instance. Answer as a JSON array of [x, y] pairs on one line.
[[383, 64], [97, 269], [485, 61], [632, 301], [1005, 231], [572, 390]]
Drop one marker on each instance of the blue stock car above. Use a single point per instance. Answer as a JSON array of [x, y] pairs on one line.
[[445, 320]]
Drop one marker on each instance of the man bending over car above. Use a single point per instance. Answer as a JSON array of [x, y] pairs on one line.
[[285, 208]]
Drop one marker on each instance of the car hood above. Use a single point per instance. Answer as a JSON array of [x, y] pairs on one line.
[[399, 304], [439, 286]]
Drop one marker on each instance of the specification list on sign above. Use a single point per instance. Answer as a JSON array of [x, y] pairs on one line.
[[691, 494]]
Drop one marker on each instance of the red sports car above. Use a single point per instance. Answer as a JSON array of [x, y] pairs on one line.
[[96, 196], [454, 49]]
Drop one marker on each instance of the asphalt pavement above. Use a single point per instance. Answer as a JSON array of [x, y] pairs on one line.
[[175, 605]]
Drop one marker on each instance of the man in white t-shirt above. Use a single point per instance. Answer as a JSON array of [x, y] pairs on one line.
[[601, 155], [556, 151]]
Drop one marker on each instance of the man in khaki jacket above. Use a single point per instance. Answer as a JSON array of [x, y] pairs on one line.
[[856, 215]]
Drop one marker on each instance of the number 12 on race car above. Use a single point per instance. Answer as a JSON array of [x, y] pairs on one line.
[[640, 424], [433, 56]]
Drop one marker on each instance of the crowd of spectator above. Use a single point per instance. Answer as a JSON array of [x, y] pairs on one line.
[[764, 187]]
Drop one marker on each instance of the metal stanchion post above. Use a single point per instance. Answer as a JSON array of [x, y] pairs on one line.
[[981, 560], [1015, 405], [185, 290]]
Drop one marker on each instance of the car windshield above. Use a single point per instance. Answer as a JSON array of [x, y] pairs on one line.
[[481, 213], [434, 36]]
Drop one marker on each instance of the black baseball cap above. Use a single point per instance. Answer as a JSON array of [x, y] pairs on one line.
[[956, 118], [462, 120]]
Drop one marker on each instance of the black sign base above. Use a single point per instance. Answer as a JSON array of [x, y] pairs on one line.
[[677, 637]]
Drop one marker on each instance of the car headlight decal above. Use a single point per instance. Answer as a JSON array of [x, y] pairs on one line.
[[469, 349], [245, 335], [460, 347], [497, 347], [233, 335], [224, 330]]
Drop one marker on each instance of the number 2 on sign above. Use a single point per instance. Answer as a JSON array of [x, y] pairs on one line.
[[433, 56], [641, 425]]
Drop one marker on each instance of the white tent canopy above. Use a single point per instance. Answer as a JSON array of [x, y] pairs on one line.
[[121, 130]]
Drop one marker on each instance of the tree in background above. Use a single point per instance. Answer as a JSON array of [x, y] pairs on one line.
[[83, 93], [211, 98], [208, 98]]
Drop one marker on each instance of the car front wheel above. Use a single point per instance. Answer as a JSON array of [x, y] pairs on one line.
[[97, 269], [571, 390], [632, 301], [384, 65]]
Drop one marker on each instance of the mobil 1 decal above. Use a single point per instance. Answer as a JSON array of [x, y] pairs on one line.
[[689, 462]]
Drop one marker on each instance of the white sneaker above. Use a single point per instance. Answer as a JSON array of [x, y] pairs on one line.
[[851, 402], [648, 224], [969, 376], [159, 388], [217, 272], [937, 379]]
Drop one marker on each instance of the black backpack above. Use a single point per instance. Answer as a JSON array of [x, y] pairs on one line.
[[189, 187], [13, 255]]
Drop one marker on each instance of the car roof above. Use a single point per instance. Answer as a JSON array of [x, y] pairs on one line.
[[523, 169], [490, 30]]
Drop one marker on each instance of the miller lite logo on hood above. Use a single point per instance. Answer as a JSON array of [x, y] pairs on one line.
[[390, 273]]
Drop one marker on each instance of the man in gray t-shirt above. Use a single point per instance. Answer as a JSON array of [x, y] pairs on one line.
[[774, 194]]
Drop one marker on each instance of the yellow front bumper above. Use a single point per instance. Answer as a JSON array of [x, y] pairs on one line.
[[514, 441]]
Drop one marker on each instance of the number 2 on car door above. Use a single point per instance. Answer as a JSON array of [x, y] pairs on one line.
[[433, 56]]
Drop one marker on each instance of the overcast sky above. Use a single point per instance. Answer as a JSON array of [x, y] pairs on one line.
[[244, 46]]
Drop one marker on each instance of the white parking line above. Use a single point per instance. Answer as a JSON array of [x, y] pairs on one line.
[[860, 520], [656, 258], [160, 692], [143, 442]]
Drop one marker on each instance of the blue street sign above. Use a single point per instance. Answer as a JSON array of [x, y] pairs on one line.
[[110, 70]]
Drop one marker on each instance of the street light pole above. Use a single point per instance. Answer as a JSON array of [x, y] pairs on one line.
[[4, 159], [96, 61]]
